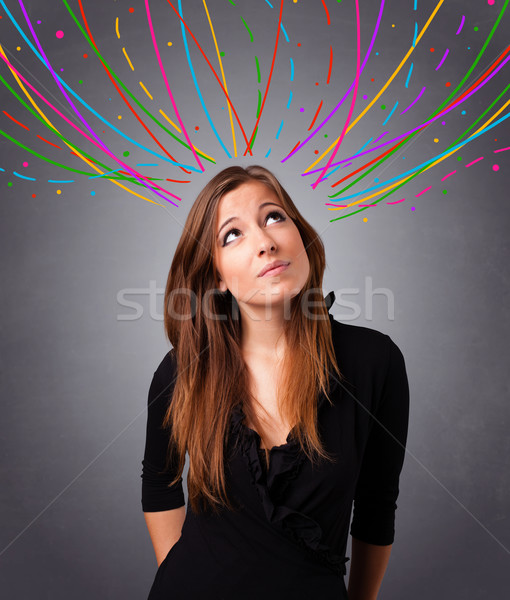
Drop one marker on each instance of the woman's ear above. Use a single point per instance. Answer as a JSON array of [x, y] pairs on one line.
[[223, 286]]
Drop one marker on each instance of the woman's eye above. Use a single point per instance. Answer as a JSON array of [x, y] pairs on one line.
[[274, 213]]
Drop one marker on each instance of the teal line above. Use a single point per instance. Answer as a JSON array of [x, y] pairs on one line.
[[389, 116], [23, 176]]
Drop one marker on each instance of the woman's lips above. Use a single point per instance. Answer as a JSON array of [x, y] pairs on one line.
[[277, 271]]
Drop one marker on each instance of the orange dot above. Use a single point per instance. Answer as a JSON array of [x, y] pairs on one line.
[[448, 84], [432, 49], [316, 152], [85, 55], [131, 10]]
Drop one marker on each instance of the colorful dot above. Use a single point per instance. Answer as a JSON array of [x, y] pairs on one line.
[[316, 152], [18, 48], [39, 22], [436, 140], [131, 10], [432, 49], [393, 24], [448, 84], [62, 70], [383, 106], [301, 110], [316, 83], [197, 128], [80, 81], [413, 208], [33, 195], [126, 153], [325, 135], [85, 55], [299, 44], [445, 191], [59, 34], [9, 184], [475, 28], [222, 53], [376, 179], [365, 96], [372, 79], [119, 117], [495, 167], [490, 2], [59, 192], [443, 122], [377, 53], [25, 164], [92, 193], [169, 43], [459, 157], [463, 112], [365, 219]]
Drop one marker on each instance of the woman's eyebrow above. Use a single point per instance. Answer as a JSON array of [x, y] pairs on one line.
[[234, 218]]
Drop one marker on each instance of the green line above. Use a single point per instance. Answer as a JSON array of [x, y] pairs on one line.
[[259, 103], [248, 29], [254, 138], [258, 69], [233, 4], [121, 83]]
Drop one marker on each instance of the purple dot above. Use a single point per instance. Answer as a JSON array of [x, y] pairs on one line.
[[60, 34], [61, 69], [39, 22], [443, 123], [365, 96], [301, 110]]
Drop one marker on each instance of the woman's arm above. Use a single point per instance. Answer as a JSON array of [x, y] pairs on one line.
[[164, 529], [368, 565]]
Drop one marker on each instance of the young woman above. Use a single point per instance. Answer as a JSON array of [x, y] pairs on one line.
[[288, 416]]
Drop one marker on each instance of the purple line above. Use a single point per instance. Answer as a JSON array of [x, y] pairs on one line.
[[449, 175], [102, 146], [461, 25], [415, 101], [381, 136], [440, 115], [372, 41], [475, 161], [423, 191], [443, 59]]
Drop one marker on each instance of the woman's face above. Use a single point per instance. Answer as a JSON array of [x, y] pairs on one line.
[[261, 233]]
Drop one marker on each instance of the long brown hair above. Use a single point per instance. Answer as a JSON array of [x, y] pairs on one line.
[[201, 324]]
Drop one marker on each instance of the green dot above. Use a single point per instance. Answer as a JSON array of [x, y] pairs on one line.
[[383, 106], [222, 53], [445, 191], [475, 28], [80, 81], [9, 184], [459, 157], [325, 135], [126, 153]]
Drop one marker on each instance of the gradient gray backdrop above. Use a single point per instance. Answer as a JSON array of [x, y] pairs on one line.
[[76, 366]]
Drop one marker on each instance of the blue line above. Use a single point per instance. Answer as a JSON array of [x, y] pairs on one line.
[[290, 99], [415, 4], [363, 147], [89, 108], [279, 129], [431, 160], [268, 152], [291, 70], [3, 170], [389, 116], [408, 75], [284, 32], [61, 180], [146, 165], [183, 31], [104, 174], [415, 33], [23, 176], [270, 4]]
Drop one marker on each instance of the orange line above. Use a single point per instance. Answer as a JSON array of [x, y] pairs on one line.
[[316, 115], [13, 119]]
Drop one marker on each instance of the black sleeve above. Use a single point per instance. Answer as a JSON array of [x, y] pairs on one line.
[[156, 493], [377, 486]]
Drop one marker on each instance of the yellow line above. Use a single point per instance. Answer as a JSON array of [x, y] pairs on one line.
[[390, 187], [90, 164], [146, 91], [117, 27], [383, 89], [127, 58], [222, 76], [175, 126]]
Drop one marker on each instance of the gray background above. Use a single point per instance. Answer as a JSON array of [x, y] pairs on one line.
[[77, 363]]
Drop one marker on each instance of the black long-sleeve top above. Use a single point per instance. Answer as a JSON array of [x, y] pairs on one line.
[[289, 538]]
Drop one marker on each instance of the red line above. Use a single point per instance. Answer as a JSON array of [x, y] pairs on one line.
[[315, 117], [120, 92], [215, 74], [294, 147], [50, 143], [327, 11], [330, 64], [13, 119], [178, 181], [269, 79]]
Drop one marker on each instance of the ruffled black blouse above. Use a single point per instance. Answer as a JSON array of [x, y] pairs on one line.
[[288, 537]]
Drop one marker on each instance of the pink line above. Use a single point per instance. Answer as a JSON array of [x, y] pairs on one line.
[[162, 69], [415, 101], [353, 102], [99, 143], [449, 175], [442, 60], [341, 205], [396, 202], [475, 161], [461, 25], [502, 149], [423, 191]]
